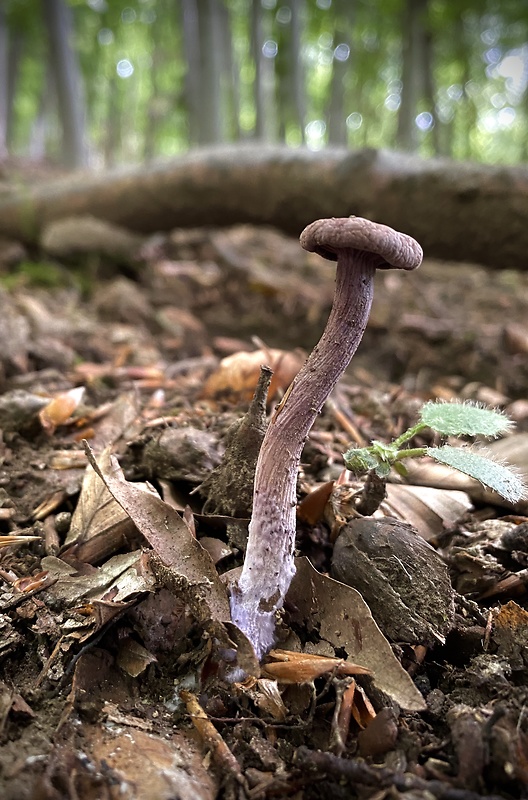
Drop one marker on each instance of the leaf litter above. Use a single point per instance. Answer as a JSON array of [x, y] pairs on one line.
[[116, 638]]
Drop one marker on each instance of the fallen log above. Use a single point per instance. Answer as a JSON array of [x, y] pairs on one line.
[[457, 211]]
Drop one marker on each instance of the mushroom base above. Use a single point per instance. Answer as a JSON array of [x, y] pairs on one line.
[[267, 574]]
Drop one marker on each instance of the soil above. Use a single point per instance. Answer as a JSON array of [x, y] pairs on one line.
[[113, 683]]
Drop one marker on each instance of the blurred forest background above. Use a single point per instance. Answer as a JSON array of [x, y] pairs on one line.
[[102, 82]]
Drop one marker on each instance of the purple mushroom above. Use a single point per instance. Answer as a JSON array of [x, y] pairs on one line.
[[360, 247]]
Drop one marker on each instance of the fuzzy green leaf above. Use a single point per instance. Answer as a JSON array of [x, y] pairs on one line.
[[360, 460], [464, 419], [492, 474]]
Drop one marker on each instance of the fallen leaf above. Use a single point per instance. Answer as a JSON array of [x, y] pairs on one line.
[[121, 573], [169, 536], [265, 693], [341, 617], [11, 539], [237, 375], [180, 562], [99, 525], [290, 667], [150, 765], [132, 657], [312, 506], [32, 583], [431, 511], [60, 409]]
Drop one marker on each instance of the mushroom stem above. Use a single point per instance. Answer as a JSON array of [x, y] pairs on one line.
[[269, 564]]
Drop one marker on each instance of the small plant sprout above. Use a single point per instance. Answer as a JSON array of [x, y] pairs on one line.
[[360, 247], [447, 419]]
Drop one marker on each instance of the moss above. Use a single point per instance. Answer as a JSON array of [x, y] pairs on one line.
[[45, 275]]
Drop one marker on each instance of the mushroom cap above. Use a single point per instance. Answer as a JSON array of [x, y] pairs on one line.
[[394, 250]]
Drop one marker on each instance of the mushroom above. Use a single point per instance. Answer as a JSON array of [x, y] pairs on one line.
[[360, 247]]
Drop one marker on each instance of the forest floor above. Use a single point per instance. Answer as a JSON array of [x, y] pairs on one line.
[[109, 686]]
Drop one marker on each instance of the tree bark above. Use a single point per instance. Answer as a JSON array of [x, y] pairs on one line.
[[4, 72], [211, 118], [413, 33], [265, 127], [193, 74], [457, 211], [256, 42], [230, 76], [68, 80], [341, 67], [291, 93]]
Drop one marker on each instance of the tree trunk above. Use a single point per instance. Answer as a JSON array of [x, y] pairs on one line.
[[193, 74], [14, 54], [341, 66], [4, 73], [412, 78], [153, 117], [291, 95], [210, 99], [264, 82], [114, 117], [256, 43], [429, 87], [457, 211], [68, 80], [230, 77], [45, 129], [298, 88]]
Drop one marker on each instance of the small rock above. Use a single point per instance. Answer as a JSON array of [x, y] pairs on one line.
[[72, 236], [181, 454], [19, 409], [402, 578], [380, 735], [122, 300]]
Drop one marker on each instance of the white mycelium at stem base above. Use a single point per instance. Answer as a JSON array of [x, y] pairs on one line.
[[269, 567], [360, 247]]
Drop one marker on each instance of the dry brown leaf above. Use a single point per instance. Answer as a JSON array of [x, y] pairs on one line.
[[31, 583], [150, 765], [312, 506], [121, 573], [99, 525], [380, 734], [11, 539], [120, 420], [168, 534], [132, 657], [431, 511], [287, 666], [216, 548], [60, 409], [67, 459], [180, 562], [341, 617], [265, 693], [362, 709], [237, 375]]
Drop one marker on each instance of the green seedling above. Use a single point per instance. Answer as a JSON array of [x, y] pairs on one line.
[[447, 419]]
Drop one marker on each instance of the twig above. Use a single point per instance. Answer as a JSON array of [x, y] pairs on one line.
[[358, 772], [213, 739]]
